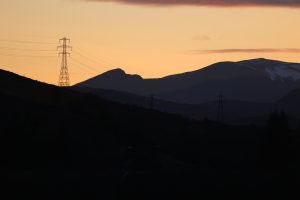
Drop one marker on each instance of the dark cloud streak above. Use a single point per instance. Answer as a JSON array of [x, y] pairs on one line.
[[221, 3], [222, 51]]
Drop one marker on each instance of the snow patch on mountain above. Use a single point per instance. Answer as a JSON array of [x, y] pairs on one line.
[[283, 72]]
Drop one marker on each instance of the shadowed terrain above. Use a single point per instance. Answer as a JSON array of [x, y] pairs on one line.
[[57, 143]]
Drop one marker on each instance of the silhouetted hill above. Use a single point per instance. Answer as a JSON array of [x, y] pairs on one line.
[[85, 147], [290, 103], [236, 112], [15, 85], [258, 80]]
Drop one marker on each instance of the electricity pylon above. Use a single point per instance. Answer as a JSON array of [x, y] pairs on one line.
[[64, 80]]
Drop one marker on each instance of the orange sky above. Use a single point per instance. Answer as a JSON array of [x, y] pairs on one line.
[[148, 40]]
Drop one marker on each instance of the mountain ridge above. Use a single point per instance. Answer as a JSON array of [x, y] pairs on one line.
[[256, 80]]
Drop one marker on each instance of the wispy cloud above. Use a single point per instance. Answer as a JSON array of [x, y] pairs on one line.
[[278, 3], [201, 37], [222, 51]]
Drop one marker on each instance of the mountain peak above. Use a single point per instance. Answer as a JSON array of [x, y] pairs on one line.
[[117, 71], [117, 77], [258, 61]]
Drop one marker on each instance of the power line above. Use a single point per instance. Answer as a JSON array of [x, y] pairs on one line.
[[30, 56], [85, 69], [87, 58], [80, 63], [38, 36], [64, 70], [20, 49], [25, 42], [94, 58]]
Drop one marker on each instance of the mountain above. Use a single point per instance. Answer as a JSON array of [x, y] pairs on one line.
[[57, 143], [35, 91], [257, 80]]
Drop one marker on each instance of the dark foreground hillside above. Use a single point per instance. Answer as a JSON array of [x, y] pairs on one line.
[[60, 144]]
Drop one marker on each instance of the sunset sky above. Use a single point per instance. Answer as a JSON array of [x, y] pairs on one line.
[[153, 38]]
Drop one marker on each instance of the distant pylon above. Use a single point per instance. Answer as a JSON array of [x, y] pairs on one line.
[[64, 79], [220, 114]]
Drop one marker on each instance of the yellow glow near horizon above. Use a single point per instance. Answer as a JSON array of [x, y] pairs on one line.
[[146, 40]]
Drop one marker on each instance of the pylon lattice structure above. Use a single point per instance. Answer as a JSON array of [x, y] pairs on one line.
[[64, 79]]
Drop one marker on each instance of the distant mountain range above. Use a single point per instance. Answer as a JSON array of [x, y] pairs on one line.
[[257, 80], [252, 90]]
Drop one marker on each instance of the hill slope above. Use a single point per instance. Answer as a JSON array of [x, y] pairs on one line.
[[85, 147], [236, 112]]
